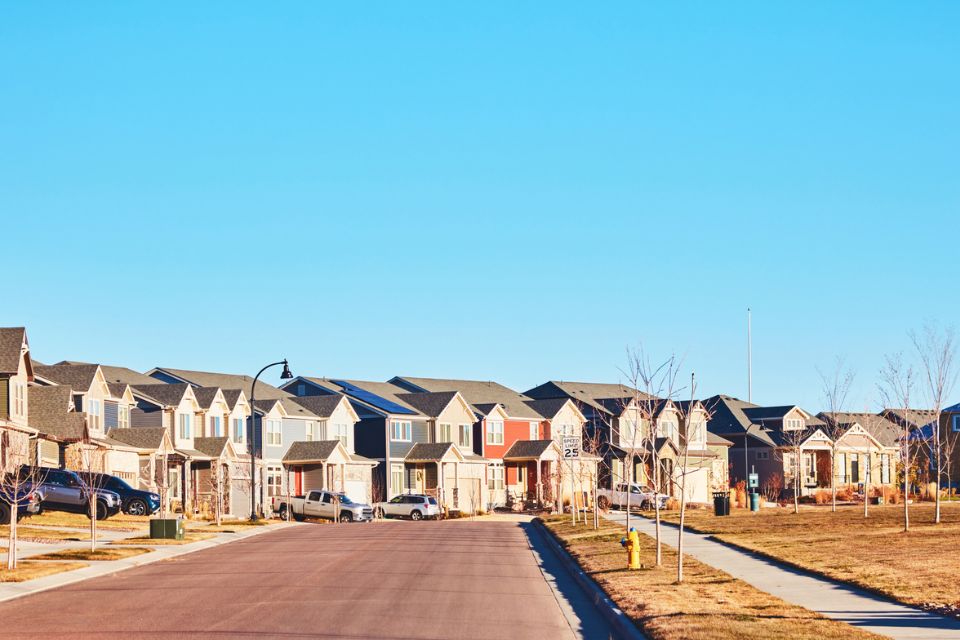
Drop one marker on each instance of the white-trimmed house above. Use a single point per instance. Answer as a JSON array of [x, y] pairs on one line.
[[16, 373]]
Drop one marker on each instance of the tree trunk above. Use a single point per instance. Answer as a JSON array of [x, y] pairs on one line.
[[629, 474], [936, 490], [596, 509], [906, 489], [656, 505], [12, 540], [833, 480], [796, 483], [93, 521], [866, 488]]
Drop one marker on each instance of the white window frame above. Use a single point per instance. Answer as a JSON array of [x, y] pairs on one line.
[[239, 435], [497, 477], [216, 424], [444, 432], [465, 429], [885, 468], [123, 416], [341, 432], [274, 481], [310, 431], [183, 425], [19, 399], [95, 413], [396, 473], [495, 432], [673, 427], [401, 430], [793, 424], [274, 433], [534, 430]]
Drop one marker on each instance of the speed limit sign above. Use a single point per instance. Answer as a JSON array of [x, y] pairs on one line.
[[571, 447]]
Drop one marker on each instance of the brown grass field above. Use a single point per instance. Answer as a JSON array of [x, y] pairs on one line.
[[709, 604], [917, 568], [189, 537], [29, 570], [119, 522], [103, 553]]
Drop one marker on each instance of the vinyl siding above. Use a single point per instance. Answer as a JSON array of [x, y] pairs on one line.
[[5, 398], [419, 432], [146, 417], [110, 415]]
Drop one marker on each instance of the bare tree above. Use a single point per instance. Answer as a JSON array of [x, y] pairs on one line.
[[897, 380], [689, 432], [653, 385], [937, 351], [16, 488], [219, 484], [593, 444], [836, 387], [89, 461]]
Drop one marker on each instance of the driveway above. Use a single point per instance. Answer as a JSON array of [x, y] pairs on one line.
[[393, 579]]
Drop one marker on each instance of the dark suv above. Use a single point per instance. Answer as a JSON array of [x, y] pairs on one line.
[[134, 501], [64, 491]]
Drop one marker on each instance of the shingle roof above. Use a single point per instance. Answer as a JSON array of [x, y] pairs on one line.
[[320, 406], [226, 381], [547, 407], [528, 449], [232, 396], [761, 414], [727, 415], [78, 376], [140, 437], [605, 397], [167, 394], [385, 390], [431, 403], [886, 432], [117, 389], [205, 395], [125, 375], [307, 451], [212, 447], [11, 343], [913, 418], [296, 410], [477, 392], [50, 414], [428, 451]]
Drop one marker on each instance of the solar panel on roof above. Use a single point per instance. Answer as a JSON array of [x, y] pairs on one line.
[[373, 399]]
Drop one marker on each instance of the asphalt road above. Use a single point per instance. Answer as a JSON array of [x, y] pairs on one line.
[[395, 579]]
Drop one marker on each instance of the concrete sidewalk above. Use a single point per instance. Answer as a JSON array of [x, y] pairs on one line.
[[11, 590], [828, 598]]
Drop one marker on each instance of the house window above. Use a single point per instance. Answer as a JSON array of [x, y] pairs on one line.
[[565, 430], [239, 425], [762, 455], [885, 468], [792, 424], [841, 467], [628, 432], [274, 481], [215, 426], [464, 440], [273, 433], [400, 430], [19, 401], [341, 432], [495, 479], [173, 483], [94, 416], [301, 389], [444, 433], [123, 416], [955, 423], [184, 422], [534, 430], [668, 429], [396, 478], [311, 434], [495, 432]]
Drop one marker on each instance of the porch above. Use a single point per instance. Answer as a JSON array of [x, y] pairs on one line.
[[532, 474]]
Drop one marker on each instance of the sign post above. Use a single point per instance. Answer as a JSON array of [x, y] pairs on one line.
[[571, 452]]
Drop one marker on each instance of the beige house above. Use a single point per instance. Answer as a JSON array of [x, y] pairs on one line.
[[156, 457], [868, 449], [214, 413], [16, 373]]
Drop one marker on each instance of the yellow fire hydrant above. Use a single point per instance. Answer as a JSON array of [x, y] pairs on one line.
[[632, 545]]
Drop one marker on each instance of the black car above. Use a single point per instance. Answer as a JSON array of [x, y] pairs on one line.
[[27, 498], [135, 502], [63, 490]]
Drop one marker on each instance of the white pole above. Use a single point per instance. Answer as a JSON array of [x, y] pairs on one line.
[[749, 358]]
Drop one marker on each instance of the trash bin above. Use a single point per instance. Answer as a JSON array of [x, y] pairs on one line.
[[167, 528], [721, 503], [754, 502]]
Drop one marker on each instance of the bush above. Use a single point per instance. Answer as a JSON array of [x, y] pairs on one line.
[[672, 504], [822, 496], [845, 494], [740, 495]]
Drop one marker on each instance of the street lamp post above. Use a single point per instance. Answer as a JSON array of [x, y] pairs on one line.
[[286, 375]]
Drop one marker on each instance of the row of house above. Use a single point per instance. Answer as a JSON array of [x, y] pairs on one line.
[[475, 445]]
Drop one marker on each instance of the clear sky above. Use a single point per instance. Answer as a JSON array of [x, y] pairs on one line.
[[510, 191]]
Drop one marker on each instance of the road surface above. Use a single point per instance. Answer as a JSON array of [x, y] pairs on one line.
[[394, 579]]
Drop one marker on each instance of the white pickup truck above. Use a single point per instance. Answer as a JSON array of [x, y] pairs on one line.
[[322, 504], [640, 497]]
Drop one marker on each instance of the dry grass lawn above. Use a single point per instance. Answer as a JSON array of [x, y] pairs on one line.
[[119, 522], [917, 568], [103, 553], [190, 536], [29, 570], [28, 533], [709, 604]]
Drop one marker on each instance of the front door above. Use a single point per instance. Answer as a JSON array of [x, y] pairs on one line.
[[854, 469]]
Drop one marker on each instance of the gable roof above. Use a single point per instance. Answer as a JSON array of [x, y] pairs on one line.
[[528, 449], [910, 418], [310, 450], [140, 437], [50, 413], [322, 406], [121, 375], [12, 340], [212, 447], [232, 396], [475, 392], [169, 395], [548, 407], [727, 415], [431, 403], [885, 431], [223, 380], [603, 397], [430, 451], [78, 376], [383, 397], [205, 395]]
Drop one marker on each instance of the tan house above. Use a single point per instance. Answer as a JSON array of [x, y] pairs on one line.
[[868, 450], [16, 373], [156, 457]]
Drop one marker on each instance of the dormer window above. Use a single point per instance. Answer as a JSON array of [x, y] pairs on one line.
[[668, 429], [793, 424], [94, 415]]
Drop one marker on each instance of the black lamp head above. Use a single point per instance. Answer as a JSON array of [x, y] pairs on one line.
[[286, 375]]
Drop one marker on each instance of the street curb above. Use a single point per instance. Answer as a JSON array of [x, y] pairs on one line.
[[96, 570], [621, 623]]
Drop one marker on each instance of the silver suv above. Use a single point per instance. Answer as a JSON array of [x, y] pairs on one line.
[[63, 490]]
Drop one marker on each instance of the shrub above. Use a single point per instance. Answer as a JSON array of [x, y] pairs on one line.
[[845, 494], [740, 494], [672, 504], [822, 496]]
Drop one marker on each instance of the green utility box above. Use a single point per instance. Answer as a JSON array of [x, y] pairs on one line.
[[168, 528]]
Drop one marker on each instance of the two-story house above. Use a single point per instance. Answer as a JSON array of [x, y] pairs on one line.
[[16, 373]]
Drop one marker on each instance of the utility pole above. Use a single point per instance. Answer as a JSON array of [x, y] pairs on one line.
[[749, 358]]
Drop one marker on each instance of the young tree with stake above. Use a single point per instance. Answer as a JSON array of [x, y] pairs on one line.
[[897, 380], [17, 486], [835, 388]]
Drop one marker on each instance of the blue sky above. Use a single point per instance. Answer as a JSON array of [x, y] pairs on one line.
[[494, 191]]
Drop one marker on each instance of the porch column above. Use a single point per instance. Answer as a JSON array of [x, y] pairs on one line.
[[539, 483], [343, 478], [323, 471], [456, 484], [187, 502], [440, 496]]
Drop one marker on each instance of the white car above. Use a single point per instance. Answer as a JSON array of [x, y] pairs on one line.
[[638, 495], [410, 505]]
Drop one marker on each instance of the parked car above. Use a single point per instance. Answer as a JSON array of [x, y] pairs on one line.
[[639, 496], [322, 504], [134, 502], [63, 490], [28, 499], [412, 505]]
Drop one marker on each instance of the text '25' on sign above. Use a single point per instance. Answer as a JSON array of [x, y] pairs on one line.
[[571, 447]]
